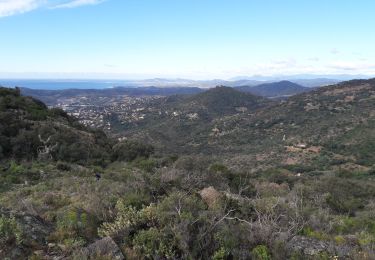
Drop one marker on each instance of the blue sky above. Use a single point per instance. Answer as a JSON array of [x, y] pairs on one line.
[[201, 39]]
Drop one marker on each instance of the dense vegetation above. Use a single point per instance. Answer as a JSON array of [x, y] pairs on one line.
[[288, 180]]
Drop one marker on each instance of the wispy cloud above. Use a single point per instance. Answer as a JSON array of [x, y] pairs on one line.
[[14, 7], [352, 65], [315, 59], [77, 3]]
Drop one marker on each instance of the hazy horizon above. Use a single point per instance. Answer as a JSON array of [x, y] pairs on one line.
[[121, 77], [191, 39]]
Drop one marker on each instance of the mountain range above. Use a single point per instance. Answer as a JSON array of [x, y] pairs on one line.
[[60, 84], [280, 89]]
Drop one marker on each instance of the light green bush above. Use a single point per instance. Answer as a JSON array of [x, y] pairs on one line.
[[10, 231], [261, 252], [154, 243]]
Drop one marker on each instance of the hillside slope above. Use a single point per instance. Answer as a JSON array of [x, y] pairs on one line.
[[326, 119], [184, 122], [321, 119], [29, 130]]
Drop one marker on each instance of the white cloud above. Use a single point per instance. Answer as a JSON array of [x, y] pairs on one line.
[[13, 7]]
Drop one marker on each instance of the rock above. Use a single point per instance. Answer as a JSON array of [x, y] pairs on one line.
[[210, 196], [309, 246], [34, 233], [104, 247], [51, 245]]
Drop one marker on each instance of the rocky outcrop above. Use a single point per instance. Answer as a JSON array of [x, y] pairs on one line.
[[311, 247], [210, 196], [104, 247], [33, 230]]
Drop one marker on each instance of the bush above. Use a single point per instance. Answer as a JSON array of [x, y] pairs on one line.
[[309, 232], [220, 254], [74, 227], [137, 199], [127, 217], [344, 205], [261, 252], [130, 150], [148, 165], [63, 166], [10, 231], [155, 244]]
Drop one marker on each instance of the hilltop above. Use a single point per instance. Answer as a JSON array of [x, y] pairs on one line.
[[173, 123], [279, 89], [221, 101]]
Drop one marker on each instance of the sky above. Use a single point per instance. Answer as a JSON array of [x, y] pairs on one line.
[[197, 39]]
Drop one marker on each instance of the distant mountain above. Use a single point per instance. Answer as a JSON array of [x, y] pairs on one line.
[[222, 100], [318, 82], [275, 89], [337, 77]]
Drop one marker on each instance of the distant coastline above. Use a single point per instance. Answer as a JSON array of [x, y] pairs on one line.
[[59, 84]]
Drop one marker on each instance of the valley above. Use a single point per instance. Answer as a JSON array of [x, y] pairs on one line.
[[102, 175]]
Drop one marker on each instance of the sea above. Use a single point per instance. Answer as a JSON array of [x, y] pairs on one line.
[[61, 84]]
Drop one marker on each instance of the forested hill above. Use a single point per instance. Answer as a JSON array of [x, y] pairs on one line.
[[322, 118], [176, 124], [30, 130], [279, 89]]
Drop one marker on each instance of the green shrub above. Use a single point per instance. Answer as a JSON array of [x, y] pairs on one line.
[[127, 217], [74, 226], [220, 254], [349, 225], [10, 231], [130, 150], [15, 168], [63, 166], [218, 168], [148, 165], [154, 243], [261, 252], [344, 205], [279, 176], [136, 199], [366, 239], [309, 232]]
